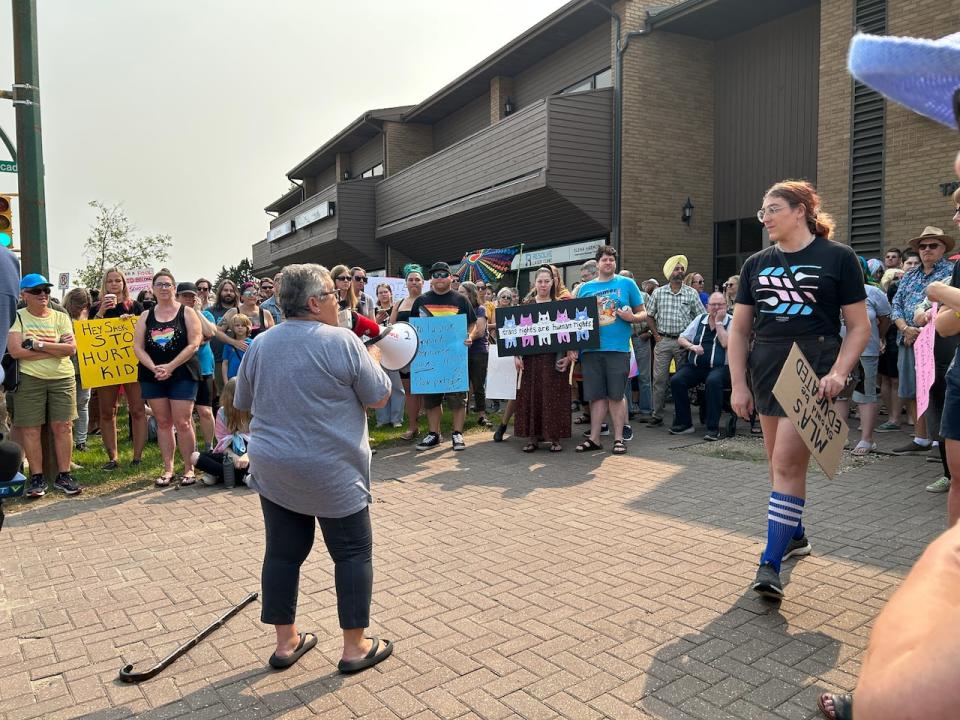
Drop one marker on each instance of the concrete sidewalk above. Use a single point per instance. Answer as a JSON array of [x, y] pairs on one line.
[[534, 586]]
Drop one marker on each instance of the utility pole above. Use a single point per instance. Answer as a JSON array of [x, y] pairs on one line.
[[26, 100]]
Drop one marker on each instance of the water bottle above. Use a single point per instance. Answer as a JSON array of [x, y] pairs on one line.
[[229, 472]]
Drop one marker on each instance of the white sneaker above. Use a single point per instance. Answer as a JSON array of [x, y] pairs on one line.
[[208, 479]]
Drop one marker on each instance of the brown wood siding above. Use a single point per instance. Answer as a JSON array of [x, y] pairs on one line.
[[471, 118], [327, 178], [580, 135], [327, 193], [512, 148], [583, 57], [366, 156], [358, 219], [766, 110]]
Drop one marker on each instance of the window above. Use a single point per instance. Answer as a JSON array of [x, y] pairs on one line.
[[733, 242], [600, 80], [375, 171]]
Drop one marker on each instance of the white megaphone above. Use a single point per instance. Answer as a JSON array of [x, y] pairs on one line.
[[398, 345]]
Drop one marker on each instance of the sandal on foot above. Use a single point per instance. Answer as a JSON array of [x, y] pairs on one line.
[[556, 447], [864, 448], [530, 447], [282, 663], [582, 420], [377, 654], [187, 480], [588, 445], [408, 435], [842, 706], [619, 447], [163, 481]]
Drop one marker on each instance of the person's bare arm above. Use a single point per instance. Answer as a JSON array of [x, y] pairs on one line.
[[738, 339]]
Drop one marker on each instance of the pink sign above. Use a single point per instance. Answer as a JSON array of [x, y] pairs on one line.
[[139, 280], [923, 356]]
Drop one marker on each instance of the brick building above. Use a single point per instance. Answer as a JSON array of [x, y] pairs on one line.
[[720, 98]]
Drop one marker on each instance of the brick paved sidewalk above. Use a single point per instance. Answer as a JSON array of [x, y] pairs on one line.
[[534, 586]]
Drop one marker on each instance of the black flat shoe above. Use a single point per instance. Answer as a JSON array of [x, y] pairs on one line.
[[376, 655], [282, 663]]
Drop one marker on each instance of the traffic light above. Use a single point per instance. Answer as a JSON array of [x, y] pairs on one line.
[[6, 222]]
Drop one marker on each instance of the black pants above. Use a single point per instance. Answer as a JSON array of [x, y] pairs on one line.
[[477, 369], [212, 463], [349, 541]]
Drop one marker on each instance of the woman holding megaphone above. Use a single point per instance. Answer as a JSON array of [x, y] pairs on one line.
[[322, 413]]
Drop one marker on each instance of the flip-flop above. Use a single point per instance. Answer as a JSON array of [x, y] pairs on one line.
[[556, 447], [864, 448], [376, 655], [530, 447], [282, 663], [588, 445], [408, 435], [842, 706]]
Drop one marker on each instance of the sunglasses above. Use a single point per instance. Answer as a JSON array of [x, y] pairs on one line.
[[439, 275], [247, 293], [203, 288], [729, 285], [929, 246], [38, 291], [266, 287], [360, 278], [342, 278]]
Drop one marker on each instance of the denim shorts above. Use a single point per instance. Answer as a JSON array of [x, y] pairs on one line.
[[907, 369], [950, 419], [869, 363], [170, 389]]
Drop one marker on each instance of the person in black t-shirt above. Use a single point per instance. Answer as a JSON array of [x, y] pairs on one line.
[[792, 291], [441, 301]]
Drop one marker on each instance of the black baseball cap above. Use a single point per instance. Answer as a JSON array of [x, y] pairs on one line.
[[439, 267], [187, 287]]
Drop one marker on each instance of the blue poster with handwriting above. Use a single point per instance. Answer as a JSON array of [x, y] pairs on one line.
[[441, 362]]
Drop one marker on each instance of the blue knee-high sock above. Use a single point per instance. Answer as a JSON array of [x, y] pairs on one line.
[[799, 532], [783, 517]]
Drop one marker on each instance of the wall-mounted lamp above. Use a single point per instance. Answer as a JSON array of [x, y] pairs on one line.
[[346, 174], [508, 107], [687, 212]]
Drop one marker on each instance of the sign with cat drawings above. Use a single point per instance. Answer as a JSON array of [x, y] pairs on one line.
[[550, 327]]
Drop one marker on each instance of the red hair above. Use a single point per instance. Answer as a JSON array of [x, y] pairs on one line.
[[800, 192]]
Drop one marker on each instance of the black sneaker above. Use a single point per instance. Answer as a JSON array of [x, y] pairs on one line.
[[768, 582], [80, 447], [135, 463], [66, 484], [498, 434], [38, 486], [796, 548], [604, 430], [483, 422], [682, 430], [643, 418], [712, 435], [111, 466], [654, 421], [430, 440], [458, 443], [627, 433]]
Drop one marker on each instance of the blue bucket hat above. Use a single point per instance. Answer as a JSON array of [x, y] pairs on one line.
[[33, 280], [923, 75]]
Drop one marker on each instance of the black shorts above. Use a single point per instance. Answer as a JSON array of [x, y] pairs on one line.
[[205, 392], [767, 358], [605, 375]]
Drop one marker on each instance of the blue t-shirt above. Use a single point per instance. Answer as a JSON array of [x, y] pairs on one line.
[[613, 294], [233, 358], [205, 353]]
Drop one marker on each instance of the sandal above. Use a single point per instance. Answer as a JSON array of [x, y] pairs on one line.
[[163, 481], [864, 448], [582, 420], [556, 447], [530, 447], [619, 447], [588, 445], [408, 435], [187, 480], [842, 706]]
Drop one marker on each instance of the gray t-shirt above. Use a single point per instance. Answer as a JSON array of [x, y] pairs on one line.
[[306, 384]]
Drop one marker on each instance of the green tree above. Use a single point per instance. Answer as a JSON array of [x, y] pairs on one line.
[[239, 273], [114, 242]]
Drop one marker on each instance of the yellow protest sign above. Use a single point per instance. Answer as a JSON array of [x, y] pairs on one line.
[[105, 351]]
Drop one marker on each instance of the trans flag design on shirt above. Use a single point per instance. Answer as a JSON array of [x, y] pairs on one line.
[[779, 295]]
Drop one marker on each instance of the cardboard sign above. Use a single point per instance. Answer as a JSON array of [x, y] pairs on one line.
[[501, 376], [553, 327], [139, 280], [64, 281], [105, 351], [441, 362], [926, 367], [822, 428]]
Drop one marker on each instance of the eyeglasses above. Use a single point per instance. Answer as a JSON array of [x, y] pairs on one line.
[[360, 278], [203, 288], [342, 278], [698, 282], [929, 246], [39, 291], [248, 293], [729, 285], [163, 286], [772, 210], [439, 275]]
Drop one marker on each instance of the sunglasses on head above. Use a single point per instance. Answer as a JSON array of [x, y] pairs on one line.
[[39, 291], [928, 246], [439, 275]]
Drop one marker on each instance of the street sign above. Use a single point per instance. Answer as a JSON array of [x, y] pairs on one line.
[[64, 281], [8, 166]]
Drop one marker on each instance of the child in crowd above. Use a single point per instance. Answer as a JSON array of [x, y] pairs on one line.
[[241, 326], [228, 460]]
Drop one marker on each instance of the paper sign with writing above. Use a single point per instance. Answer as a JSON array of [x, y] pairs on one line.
[[924, 362], [548, 327], [441, 362], [105, 351], [822, 428], [139, 280], [501, 376]]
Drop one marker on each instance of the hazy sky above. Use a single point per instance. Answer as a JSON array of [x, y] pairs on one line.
[[190, 112]]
